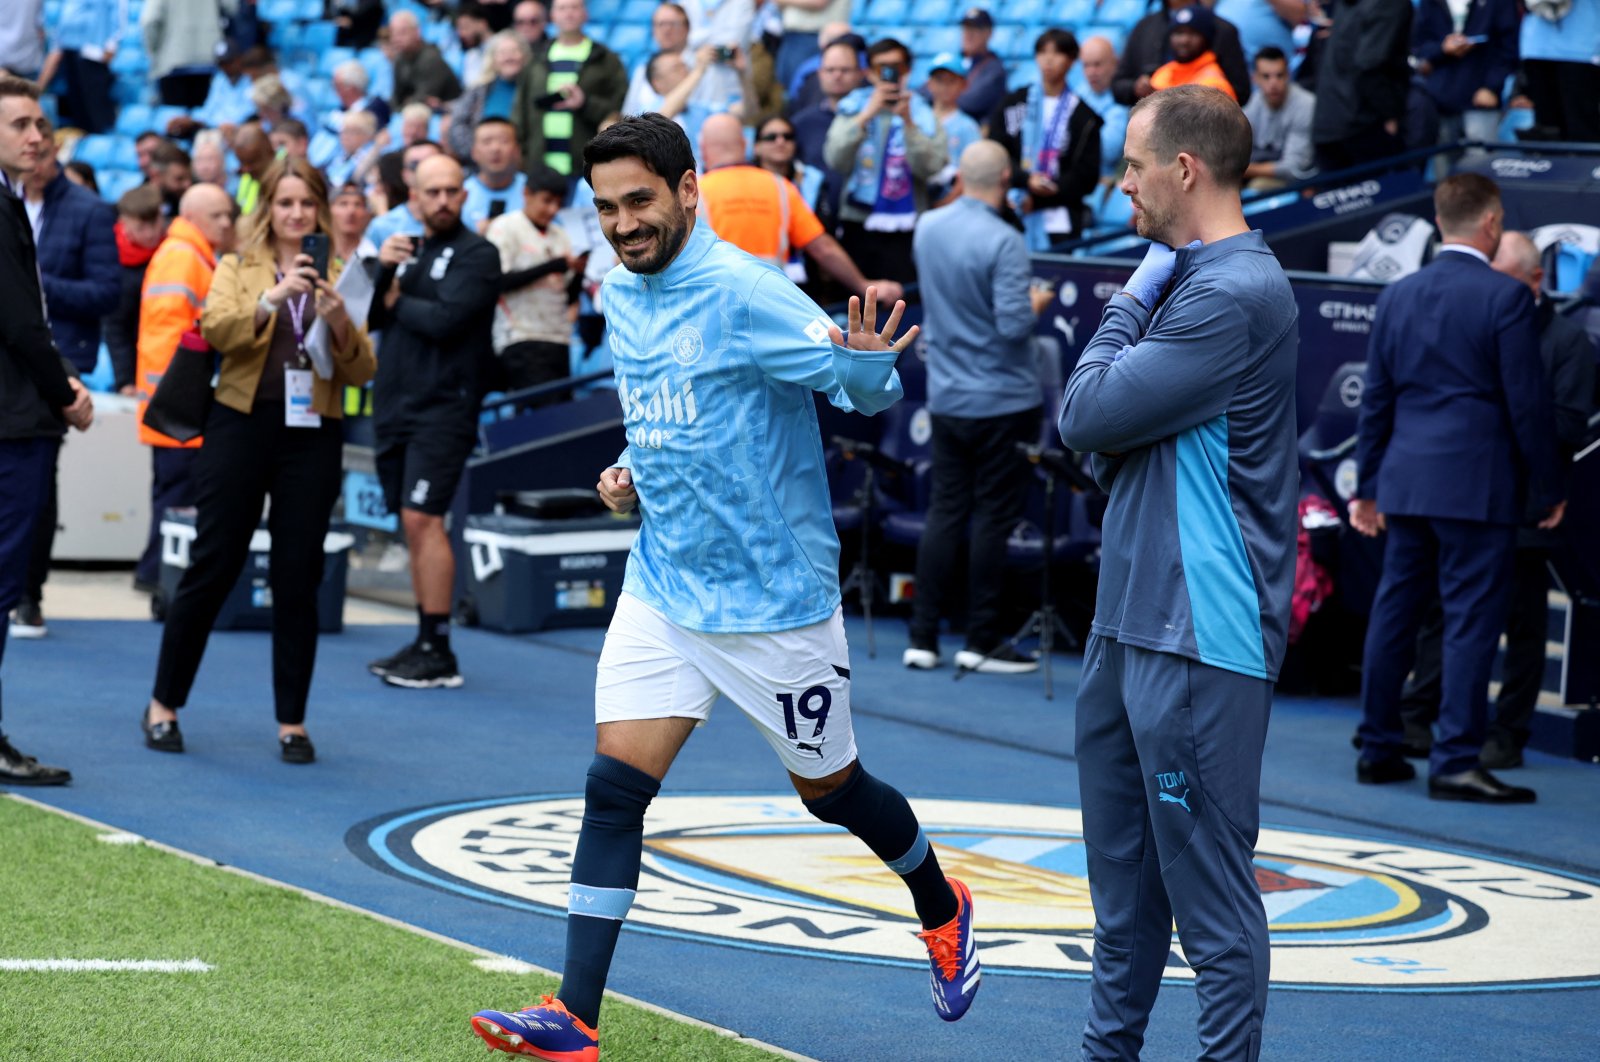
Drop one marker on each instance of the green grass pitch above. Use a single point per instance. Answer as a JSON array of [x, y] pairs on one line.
[[294, 980]]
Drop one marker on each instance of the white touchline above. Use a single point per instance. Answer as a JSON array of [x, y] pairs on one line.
[[100, 965], [504, 964]]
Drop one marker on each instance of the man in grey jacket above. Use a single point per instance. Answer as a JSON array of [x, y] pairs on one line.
[[1280, 124], [1186, 399], [984, 397]]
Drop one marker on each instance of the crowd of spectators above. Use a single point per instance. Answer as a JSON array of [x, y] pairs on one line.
[[836, 135]]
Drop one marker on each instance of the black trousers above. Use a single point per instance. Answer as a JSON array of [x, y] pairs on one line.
[[88, 104], [979, 479], [24, 468], [44, 534], [1522, 676], [1566, 96], [171, 487], [246, 459], [184, 90], [532, 363], [1372, 144], [879, 255]]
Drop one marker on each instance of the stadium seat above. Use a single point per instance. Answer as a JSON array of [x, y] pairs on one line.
[[278, 10], [638, 11], [1122, 13], [134, 118], [97, 149], [318, 36], [311, 10], [629, 37], [1028, 11], [330, 58], [890, 12], [130, 62], [1115, 34], [162, 117], [1074, 14], [114, 182]]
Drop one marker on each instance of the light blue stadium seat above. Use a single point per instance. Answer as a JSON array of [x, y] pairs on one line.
[[318, 36], [1077, 13], [115, 182], [310, 10], [284, 36], [329, 59], [163, 116], [1026, 11], [932, 40], [380, 71], [278, 10], [891, 12], [629, 37], [605, 10], [632, 11], [1122, 12], [1021, 76], [130, 62], [134, 118], [97, 149]]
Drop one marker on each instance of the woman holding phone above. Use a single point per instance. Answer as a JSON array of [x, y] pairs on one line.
[[273, 431]]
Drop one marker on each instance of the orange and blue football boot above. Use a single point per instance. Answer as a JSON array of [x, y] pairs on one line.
[[548, 1031], [953, 958]]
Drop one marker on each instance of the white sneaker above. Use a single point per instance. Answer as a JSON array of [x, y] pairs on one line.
[[921, 659], [27, 621], [1002, 661]]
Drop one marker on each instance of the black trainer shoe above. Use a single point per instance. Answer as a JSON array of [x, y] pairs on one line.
[[27, 621], [17, 769], [163, 737], [429, 667], [383, 665], [297, 748], [1002, 661]]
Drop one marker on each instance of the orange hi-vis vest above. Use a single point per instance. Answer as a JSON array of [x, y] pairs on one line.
[[1203, 69], [175, 287]]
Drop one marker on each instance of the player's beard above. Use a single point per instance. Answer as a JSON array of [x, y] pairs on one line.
[[668, 242], [1153, 223]]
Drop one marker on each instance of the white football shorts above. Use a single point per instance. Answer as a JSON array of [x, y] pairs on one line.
[[794, 685]]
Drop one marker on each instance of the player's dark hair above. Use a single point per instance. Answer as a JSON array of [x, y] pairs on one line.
[[885, 45], [542, 178], [1272, 54], [11, 85], [655, 141], [1203, 122], [1061, 40], [1461, 199]]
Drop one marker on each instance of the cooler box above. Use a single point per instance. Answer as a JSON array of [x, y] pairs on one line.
[[530, 573], [249, 604]]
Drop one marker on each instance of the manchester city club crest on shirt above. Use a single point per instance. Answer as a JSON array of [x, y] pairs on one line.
[[687, 346]]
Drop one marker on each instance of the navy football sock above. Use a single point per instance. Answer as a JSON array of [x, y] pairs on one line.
[[605, 873], [881, 817]]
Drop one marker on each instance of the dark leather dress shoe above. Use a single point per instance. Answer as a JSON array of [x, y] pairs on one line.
[[1382, 772], [1478, 786], [297, 748], [18, 769], [163, 737], [1499, 755]]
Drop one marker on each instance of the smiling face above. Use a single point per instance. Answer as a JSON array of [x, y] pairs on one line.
[[294, 210], [507, 60], [645, 222], [775, 147]]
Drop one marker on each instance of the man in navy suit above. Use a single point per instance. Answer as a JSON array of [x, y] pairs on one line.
[[1455, 439]]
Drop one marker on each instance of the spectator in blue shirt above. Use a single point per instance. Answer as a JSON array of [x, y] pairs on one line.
[[1091, 80], [947, 81], [1558, 57], [985, 396], [1263, 23], [227, 104], [403, 217], [496, 186]]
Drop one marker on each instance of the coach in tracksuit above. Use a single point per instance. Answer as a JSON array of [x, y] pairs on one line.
[[1186, 397]]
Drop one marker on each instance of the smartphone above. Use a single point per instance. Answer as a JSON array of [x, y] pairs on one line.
[[497, 207], [316, 245], [726, 53], [1478, 38], [545, 102], [890, 74]]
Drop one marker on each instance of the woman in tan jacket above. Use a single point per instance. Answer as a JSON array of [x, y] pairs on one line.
[[274, 430]]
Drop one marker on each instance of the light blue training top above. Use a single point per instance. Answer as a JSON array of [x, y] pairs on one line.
[[716, 359]]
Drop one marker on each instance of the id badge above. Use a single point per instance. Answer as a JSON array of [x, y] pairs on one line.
[[297, 411]]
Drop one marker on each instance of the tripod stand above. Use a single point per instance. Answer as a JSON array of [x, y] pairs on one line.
[[862, 578], [1045, 623]]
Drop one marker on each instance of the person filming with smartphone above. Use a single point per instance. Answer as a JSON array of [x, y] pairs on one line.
[[273, 431]]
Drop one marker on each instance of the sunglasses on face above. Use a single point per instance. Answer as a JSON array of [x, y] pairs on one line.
[[767, 138]]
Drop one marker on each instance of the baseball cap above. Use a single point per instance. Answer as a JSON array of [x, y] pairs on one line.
[[1197, 17], [949, 61], [978, 18]]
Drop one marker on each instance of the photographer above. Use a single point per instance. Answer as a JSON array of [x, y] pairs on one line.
[[273, 430], [887, 145]]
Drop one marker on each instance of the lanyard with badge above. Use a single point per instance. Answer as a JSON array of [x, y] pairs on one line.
[[297, 411]]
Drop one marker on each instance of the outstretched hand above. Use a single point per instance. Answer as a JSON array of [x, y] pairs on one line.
[[863, 325]]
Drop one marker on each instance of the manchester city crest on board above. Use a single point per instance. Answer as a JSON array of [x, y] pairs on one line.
[[758, 872]]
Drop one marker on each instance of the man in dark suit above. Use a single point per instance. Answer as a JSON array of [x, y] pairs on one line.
[[1455, 408], [37, 394], [1568, 357]]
